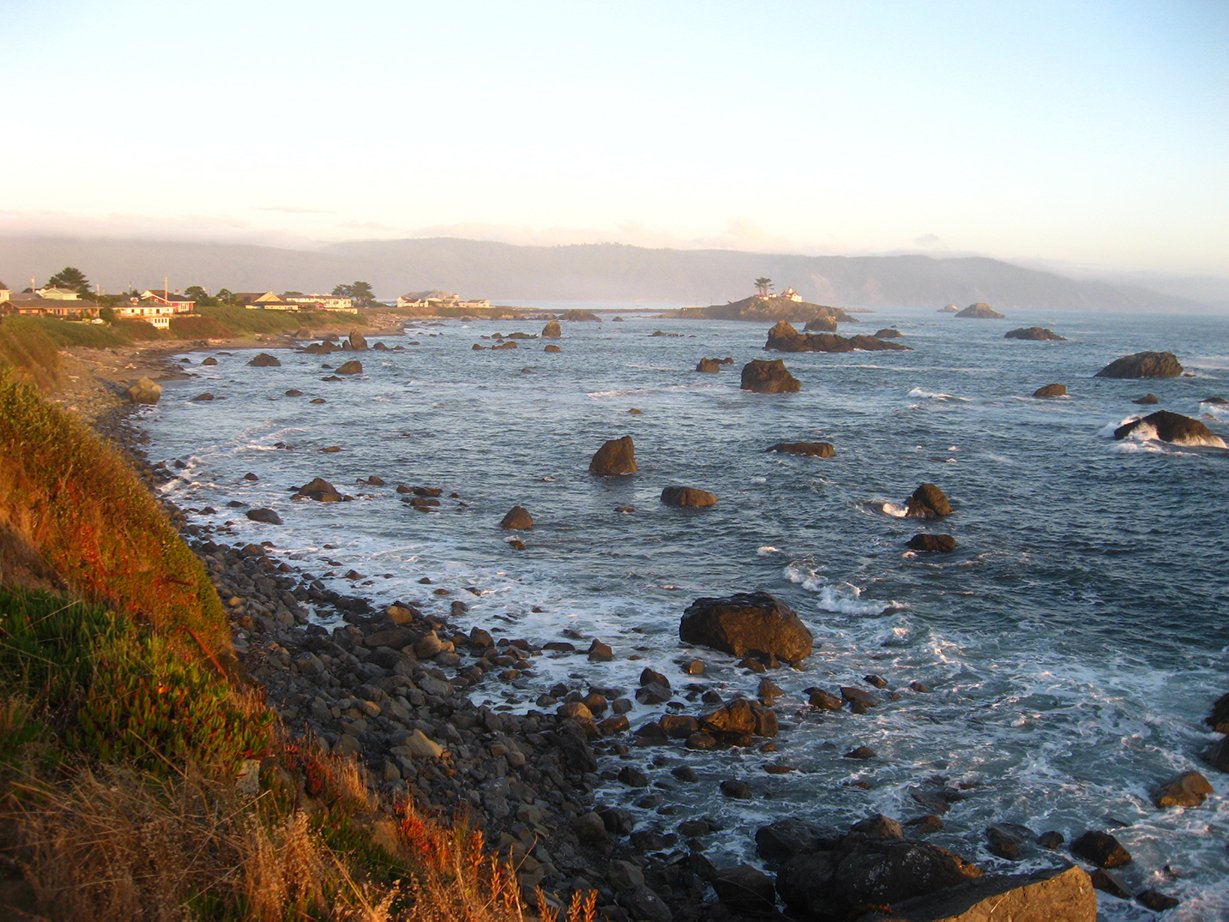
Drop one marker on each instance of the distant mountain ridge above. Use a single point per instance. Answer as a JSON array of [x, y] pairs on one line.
[[509, 274]]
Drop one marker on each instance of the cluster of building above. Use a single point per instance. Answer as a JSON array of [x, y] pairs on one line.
[[158, 306]]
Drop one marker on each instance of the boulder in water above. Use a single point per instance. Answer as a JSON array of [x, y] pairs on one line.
[[146, 390], [209, 360], [927, 502], [552, 330], [936, 544], [518, 518], [264, 360], [784, 338], [1143, 365], [826, 324], [1051, 390], [1148, 400], [1101, 848], [357, 341], [980, 311], [1189, 789], [805, 449], [616, 457], [321, 491], [1036, 334], [268, 516], [888, 333], [352, 367], [687, 497], [709, 365], [769, 377], [746, 623], [1170, 427], [949, 309]]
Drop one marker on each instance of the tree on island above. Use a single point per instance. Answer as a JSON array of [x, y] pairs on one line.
[[763, 286], [360, 291], [72, 279]]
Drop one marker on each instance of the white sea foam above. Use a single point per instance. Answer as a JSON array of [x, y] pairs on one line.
[[767, 550], [895, 510], [936, 395], [845, 598]]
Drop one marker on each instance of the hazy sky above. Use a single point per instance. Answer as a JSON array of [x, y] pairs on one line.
[[1090, 132]]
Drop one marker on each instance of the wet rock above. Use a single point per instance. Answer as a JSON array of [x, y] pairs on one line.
[[1189, 789], [781, 840], [203, 398], [552, 330], [1171, 427], [1143, 365], [616, 457], [744, 889], [783, 337], [1036, 334], [1050, 390], [769, 377], [934, 544], [517, 518], [265, 360], [824, 700], [980, 311], [209, 360], [1051, 839], [1218, 719], [687, 497], [859, 698], [1108, 882], [321, 491], [1008, 841], [927, 502], [861, 752], [711, 366], [1147, 400], [267, 516], [805, 449], [888, 333], [736, 790], [600, 652], [357, 341], [746, 623], [145, 390], [352, 367], [1156, 900], [1100, 848]]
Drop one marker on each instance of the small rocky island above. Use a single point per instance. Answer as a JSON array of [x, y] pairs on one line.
[[788, 305], [1036, 334], [1143, 365], [783, 337], [980, 311]]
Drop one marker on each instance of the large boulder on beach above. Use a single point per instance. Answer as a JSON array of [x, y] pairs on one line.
[[552, 330], [1035, 334], [746, 623], [264, 360], [615, 458], [980, 311], [1064, 893], [687, 497], [1170, 427], [1143, 365], [864, 871], [146, 390], [927, 502], [769, 377], [805, 449]]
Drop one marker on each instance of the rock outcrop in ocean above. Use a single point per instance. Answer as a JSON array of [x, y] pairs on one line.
[[753, 623], [980, 311], [1170, 427], [783, 337], [769, 376], [1143, 365]]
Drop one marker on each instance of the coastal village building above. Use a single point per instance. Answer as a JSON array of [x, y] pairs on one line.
[[791, 295], [438, 299], [325, 303], [156, 307], [48, 302], [264, 301]]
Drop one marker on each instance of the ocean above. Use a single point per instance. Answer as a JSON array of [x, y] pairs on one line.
[[1072, 644]]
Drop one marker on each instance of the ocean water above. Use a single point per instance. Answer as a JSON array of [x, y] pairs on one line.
[[1072, 643]]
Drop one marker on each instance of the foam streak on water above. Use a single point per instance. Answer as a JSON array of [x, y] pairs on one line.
[[1071, 644]]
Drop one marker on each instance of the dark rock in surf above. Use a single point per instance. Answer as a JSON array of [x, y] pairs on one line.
[[615, 458], [949, 309], [575, 316], [927, 502], [980, 311], [805, 449], [352, 367], [821, 325], [687, 498], [1218, 719], [769, 377], [745, 890], [1051, 390], [935, 544], [321, 491], [357, 341], [711, 366], [1143, 365], [552, 330], [1100, 848], [267, 516], [1147, 400], [552, 348], [518, 518], [1035, 334], [784, 338], [888, 333], [1171, 427], [209, 360], [746, 623], [264, 360]]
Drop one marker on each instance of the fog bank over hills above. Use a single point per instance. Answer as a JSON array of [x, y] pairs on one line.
[[509, 274]]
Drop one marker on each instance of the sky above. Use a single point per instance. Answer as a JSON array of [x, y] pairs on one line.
[[1091, 134]]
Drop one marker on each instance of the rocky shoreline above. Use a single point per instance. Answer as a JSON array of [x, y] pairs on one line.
[[389, 682]]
